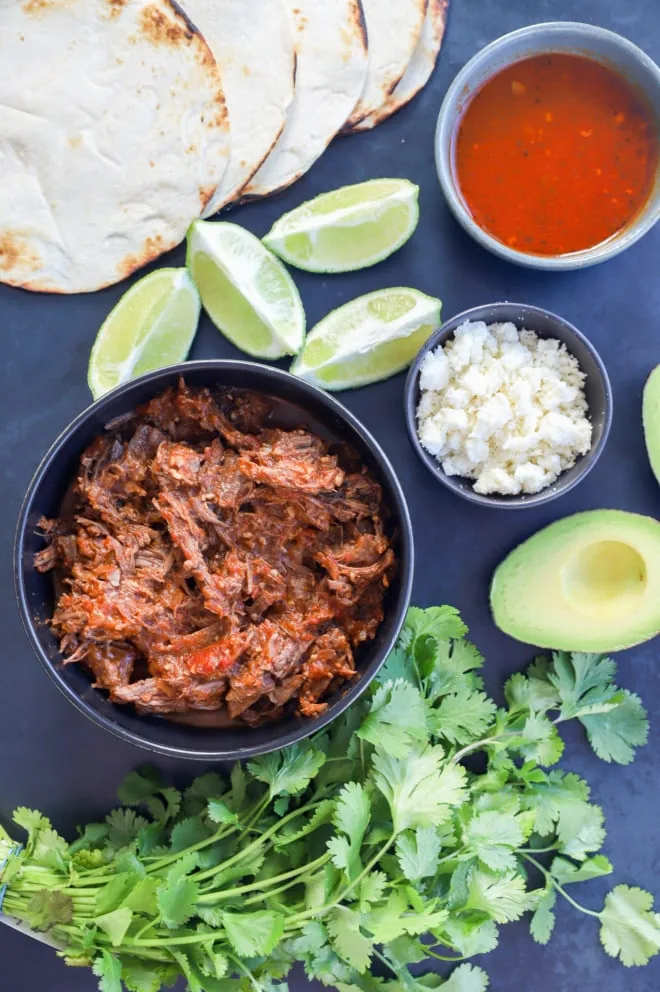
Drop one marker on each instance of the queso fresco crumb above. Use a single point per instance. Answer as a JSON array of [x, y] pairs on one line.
[[503, 407]]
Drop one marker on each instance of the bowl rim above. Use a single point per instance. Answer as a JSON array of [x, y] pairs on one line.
[[444, 136], [306, 728], [498, 502]]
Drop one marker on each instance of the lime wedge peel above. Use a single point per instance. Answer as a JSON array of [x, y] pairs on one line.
[[152, 325], [349, 228], [246, 290], [369, 339]]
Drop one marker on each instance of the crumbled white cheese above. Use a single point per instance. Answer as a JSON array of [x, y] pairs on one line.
[[503, 407]]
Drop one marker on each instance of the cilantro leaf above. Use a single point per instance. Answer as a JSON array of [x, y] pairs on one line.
[[178, 895], [289, 770], [146, 976], [253, 934], [113, 894], [204, 787], [583, 681], [348, 940], [566, 872], [142, 898], [502, 897], [115, 924], [540, 741], [459, 884], [542, 922], [532, 691], [47, 909], [629, 929], [49, 849], [107, 969], [419, 791], [395, 918], [351, 816], [90, 837], [554, 798], [418, 853], [124, 826], [614, 733], [452, 669], [219, 812], [580, 830], [443, 623], [187, 833], [471, 934], [372, 888], [399, 667], [466, 978], [396, 720], [494, 837], [462, 716], [140, 785], [31, 820]]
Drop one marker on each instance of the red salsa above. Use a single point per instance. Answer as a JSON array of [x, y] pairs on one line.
[[556, 154]]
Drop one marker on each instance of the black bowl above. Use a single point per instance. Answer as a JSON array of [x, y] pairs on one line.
[[36, 592], [597, 390]]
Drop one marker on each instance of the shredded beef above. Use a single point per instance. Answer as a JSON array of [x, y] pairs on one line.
[[210, 560]]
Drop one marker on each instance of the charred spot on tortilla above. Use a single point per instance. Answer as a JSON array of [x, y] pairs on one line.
[[116, 6], [36, 7], [153, 247], [160, 30], [205, 194], [16, 254], [360, 22]]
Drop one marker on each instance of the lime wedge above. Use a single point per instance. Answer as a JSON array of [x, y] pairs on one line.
[[246, 291], [349, 228], [368, 339], [152, 325]]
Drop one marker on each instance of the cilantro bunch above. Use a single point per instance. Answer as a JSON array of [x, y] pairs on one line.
[[409, 831]]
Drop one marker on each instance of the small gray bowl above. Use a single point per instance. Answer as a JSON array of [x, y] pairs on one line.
[[558, 36], [597, 388]]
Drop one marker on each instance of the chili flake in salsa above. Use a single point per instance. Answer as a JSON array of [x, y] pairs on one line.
[[556, 154]]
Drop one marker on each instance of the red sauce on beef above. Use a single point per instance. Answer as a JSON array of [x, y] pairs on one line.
[[212, 562]]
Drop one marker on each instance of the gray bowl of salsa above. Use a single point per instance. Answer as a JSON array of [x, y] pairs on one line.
[[547, 145]]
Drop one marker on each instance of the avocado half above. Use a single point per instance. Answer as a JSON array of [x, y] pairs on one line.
[[651, 419], [589, 582]]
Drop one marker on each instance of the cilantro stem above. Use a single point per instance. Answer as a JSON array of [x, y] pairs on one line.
[[388, 964], [443, 957], [349, 888], [169, 859], [246, 971], [255, 845], [479, 746], [550, 878], [166, 940], [262, 883], [537, 850]]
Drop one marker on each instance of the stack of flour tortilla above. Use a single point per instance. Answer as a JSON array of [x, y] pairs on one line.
[[122, 121]]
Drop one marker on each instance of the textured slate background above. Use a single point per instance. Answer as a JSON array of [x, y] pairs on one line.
[[53, 759]]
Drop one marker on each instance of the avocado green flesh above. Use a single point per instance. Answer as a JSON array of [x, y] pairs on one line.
[[589, 582], [651, 419]]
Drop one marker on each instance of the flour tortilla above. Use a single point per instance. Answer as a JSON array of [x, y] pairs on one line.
[[113, 138], [420, 67], [394, 28], [330, 75], [252, 41]]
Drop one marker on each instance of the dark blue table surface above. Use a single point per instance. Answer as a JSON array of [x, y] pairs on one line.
[[53, 759]]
